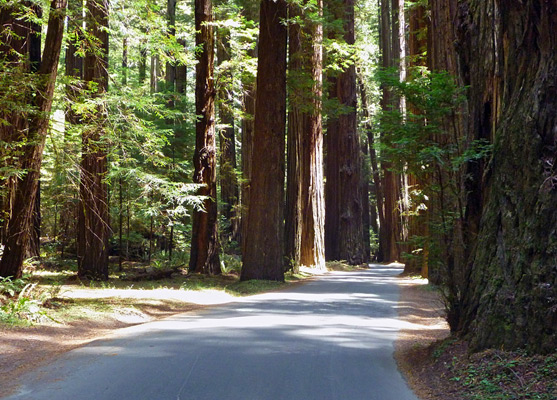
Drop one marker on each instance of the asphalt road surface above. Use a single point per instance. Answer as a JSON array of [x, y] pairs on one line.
[[331, 338]]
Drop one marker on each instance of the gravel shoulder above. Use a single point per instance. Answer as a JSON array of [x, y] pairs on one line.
[[422, 309]]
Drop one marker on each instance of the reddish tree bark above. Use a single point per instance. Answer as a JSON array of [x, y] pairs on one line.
[[305, 198], [93, 214], [264, 246], [344, 222], [21, 221], [204, 256]]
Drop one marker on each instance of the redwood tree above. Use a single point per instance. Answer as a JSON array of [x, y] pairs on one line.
[[264, 242], [344, 208], [18, 230], [204, 256], [510, 296], [93, 214], [305, 198]]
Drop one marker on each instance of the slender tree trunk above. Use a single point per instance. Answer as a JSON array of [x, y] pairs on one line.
[[204, 256], [264, 249], [228, 181], [142, 62], [34, 249], [377, 181], [181, 73], [94, 228], [171, 67], [20, 226]]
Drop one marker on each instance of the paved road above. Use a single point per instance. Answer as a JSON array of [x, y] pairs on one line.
[[331, 338]]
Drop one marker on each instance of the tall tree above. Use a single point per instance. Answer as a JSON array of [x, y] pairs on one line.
[[20, 225], [510, 296], [230, 193], [248, 109], [344, 222], [305, 218], [204, 256], [390, 232], [93, 215], [264, 247]]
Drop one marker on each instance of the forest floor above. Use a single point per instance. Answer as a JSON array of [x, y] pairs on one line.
[[438, 366]]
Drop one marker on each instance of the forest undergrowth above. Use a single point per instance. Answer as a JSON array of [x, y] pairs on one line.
[[439, 366]]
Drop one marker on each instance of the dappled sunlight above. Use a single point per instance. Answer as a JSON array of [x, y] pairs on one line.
[[345, 319], [340, 325]]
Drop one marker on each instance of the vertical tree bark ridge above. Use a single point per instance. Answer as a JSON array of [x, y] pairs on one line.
[[93, 216], [511, 296], [389, 233], [307, 206], [350, 233], [20, 226], [264, 248], [292, 229], [312, 249], [204, 256]]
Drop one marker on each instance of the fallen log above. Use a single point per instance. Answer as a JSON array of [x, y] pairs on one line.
[[152, 274]]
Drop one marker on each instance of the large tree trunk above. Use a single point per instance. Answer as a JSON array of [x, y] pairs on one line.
[[306, 203], [204, 256], [344, 224], [264, 247], [511, 297], [21, 222], [93, 215]]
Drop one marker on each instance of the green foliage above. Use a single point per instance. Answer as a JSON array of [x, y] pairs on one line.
[[230, 263], [423, 141], [498, 376], [10, 287], [24, 303]]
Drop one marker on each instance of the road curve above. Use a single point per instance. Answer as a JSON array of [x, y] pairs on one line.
[[330, 339]]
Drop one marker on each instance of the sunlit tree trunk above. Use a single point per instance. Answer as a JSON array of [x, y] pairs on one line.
[[228, 180], [305, 198], [93, 216], [204, 255], [264, 246]]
